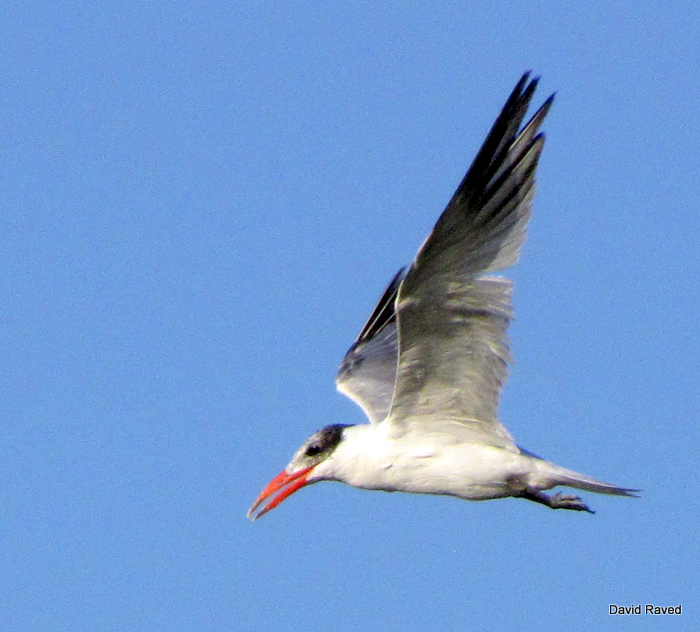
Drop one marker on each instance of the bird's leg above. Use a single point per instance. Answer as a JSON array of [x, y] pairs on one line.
[[557, 501]]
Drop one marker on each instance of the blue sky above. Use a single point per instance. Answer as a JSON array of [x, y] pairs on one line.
[[201, 203]]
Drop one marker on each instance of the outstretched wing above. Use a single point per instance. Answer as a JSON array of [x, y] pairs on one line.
[[452, 320], [368, 372]]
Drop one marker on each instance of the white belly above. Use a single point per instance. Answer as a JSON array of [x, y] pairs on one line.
[[467, 470], [475, 472]]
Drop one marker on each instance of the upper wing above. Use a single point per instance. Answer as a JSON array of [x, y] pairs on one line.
[[451, 320], [368, 372]]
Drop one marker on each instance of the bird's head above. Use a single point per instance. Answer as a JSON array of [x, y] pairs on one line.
[[301, 470]]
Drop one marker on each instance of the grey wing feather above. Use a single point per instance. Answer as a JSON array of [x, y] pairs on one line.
[[368, 372], [452, 320]]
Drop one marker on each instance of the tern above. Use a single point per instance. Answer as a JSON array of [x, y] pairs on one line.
[[428, 365]]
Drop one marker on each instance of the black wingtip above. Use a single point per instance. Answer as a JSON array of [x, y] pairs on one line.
[[383, 312], [522, 92], [502, 135]]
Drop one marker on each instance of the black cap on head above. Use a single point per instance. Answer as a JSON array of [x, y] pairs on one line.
[[324, 441]]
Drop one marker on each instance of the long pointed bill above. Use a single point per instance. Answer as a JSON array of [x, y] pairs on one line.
[[288, 483]]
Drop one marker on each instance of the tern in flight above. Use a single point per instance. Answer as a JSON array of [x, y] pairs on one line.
[[428, 366]]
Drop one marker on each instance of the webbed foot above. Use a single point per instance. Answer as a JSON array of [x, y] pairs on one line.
[[556, 501]]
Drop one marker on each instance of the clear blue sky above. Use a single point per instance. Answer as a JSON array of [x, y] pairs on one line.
[[201, 203]]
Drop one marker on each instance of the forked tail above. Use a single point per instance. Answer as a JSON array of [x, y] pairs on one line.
[[562, 476]]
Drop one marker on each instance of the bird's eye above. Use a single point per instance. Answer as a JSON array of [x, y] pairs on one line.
[[313, 450]]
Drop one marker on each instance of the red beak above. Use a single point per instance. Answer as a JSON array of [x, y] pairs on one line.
[[290, 483]]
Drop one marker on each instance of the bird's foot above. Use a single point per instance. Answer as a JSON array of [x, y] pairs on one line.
[[556, 501], [568, 501]]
